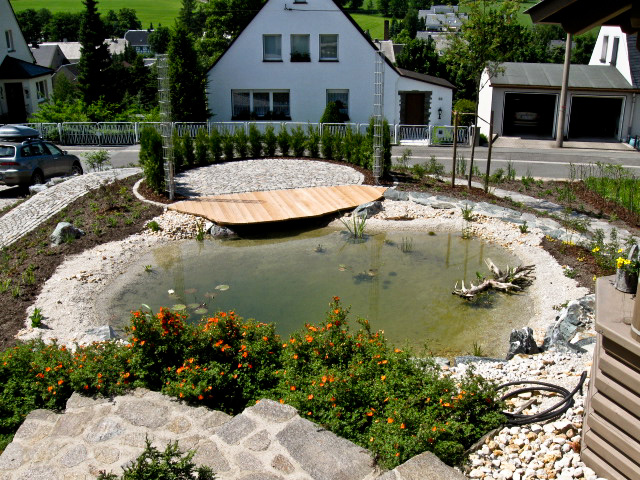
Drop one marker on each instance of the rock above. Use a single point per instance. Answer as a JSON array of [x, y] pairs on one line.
[[442, 205], [218, 231], [63, 232], [33, 189], [465, 359], [393, 194], [102, 333], [575, 317], [368, 210], [522, 341]]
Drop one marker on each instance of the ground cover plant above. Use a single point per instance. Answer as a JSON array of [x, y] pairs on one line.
[[108, 213], [351, 381]]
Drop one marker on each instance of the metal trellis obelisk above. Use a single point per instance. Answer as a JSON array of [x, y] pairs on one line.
[[378, 115], [166, 127]]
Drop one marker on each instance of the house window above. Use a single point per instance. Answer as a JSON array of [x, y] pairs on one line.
[[328, 47], [272, 48], [605, 47], [614, 51], [300, 48], [341, 98], [9, 38], [260, 105], [41, 88]]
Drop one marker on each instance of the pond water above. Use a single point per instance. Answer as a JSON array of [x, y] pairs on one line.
[[400, 281]]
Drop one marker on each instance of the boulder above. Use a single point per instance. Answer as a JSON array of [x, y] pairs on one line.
[[64, 231], [368, 210], [522, 341], [105, 332], [219, 231], [393, 194], [578, 315]]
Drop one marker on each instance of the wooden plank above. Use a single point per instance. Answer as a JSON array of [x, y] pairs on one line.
[[617, 439], [278, 205], [616, 415], [617, 460]]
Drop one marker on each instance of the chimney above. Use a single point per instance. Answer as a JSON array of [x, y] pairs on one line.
[[386, 30]]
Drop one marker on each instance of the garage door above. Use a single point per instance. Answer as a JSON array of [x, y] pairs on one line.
[[595, 117], [529, 114]]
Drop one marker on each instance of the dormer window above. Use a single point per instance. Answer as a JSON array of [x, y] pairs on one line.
[[300, 48], [272, 48]]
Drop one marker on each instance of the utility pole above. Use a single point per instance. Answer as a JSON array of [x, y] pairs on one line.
[[563, 93], [455, 149]]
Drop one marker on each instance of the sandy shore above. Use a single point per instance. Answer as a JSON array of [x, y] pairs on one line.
[[68, 304]]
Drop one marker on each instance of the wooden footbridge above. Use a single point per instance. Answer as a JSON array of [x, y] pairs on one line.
[[278, 205]]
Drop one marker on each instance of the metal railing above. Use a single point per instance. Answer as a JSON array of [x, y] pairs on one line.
[[128, 133]]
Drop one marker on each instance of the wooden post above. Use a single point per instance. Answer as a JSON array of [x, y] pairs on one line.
[[486, 177], [563, 93], [473, 146], [455, 148]]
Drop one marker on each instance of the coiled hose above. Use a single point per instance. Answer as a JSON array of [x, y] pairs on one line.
[[555, 411]]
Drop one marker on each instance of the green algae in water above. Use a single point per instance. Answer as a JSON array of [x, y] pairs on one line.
[[289, 281]]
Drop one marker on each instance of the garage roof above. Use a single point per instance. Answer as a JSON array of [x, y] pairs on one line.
[[549, 75]]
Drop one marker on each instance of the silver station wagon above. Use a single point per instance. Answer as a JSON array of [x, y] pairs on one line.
[[28, 160]]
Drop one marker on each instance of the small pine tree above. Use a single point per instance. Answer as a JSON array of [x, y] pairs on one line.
[[151, 159], [240, 142], [313, 141], [255, 141], [202, 147], [298, 141], [178, 151], [227, 146], [284, 141], [187, 150], [327, 143], [94, 54], [270, 141], [215, 145]]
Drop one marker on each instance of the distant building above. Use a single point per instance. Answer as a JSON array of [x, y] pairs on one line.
[[49, 56], [442, 18], [72, 50], [139, 40]]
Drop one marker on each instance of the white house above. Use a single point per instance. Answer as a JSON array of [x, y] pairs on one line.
[[296, 56], [23, 84]]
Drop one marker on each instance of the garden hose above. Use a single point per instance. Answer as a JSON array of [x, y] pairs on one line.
[[553, 412]]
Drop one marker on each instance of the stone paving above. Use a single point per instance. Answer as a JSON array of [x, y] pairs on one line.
[[265, 174], [267, 441], [39, 207]]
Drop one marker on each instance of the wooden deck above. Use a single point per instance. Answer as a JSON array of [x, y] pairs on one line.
[[278, 205]]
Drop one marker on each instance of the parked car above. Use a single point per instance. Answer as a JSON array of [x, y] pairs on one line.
[[26, 159]]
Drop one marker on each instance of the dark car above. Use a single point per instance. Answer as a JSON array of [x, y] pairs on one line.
[[28, 160]]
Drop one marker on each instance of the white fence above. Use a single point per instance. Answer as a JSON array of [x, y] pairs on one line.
[[128, 133]]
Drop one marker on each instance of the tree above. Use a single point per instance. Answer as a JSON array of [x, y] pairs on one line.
[[94, 59], [29, 24], [411, 22], [420, 56], [159, 39], [186, 78], [63, 26], [584, 44]]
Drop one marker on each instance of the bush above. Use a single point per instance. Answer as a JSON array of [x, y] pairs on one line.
[[298, 141], [202, 147], [240, 142], [170, 464], [270, 142], [255, 141], [178, 151], [188, 152], [332, 114], [465, 106], [313, 141], [338, 145], [227, 146], [98, 160], [151, 159], [327, 143], [284, 141], [215, 145], [386, 144]]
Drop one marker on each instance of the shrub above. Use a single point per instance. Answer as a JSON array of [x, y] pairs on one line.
[[188, 152], [298, 141], [327, 143], [284, 141], [270, 141], [227, 146], [338, 145], [465, 106], [332, 114], [386, 144], [170, 464], [255, 141], [98, 160], [178, 151], [313, 141], [202, 147], [151, 159], [240, 142], [215, 145]]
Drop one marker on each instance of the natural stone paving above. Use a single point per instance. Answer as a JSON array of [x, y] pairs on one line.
[[266, 174], [39, 207], [267, 441]]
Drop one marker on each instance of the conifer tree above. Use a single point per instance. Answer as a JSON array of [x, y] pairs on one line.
[[94, 54]]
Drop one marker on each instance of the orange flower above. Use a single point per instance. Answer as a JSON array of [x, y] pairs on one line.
[[308, 338], [389, 420], [265, 338], [86, 387], [281, 400], [369, 414], [402, 425], [60, 382], [434, 429], [310, 397], [295, 356], [293, 388], [200, 397], [49, 388], [336, 311], [383, 377], [48, 369], [397, 454]]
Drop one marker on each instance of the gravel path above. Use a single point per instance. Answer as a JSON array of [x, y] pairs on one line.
[[42, 206]]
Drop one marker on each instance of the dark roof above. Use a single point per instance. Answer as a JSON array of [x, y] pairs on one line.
[[424, 78], [137, 37], [579, 16], [15, 69], [45, 54], [634, 59], [364, 35], [549, 75]]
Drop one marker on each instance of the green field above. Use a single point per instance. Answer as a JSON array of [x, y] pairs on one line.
[[157, 11], [373, 23]]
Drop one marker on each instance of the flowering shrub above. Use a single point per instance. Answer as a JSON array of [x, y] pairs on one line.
[[358, 386], [351, 382]]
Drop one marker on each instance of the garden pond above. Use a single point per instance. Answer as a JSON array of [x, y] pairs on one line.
[[401, 281]]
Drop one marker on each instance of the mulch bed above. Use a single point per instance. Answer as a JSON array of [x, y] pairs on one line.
[[106, 214]]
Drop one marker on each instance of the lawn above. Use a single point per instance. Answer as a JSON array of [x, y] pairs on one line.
[[157, 12], [373, 23]]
